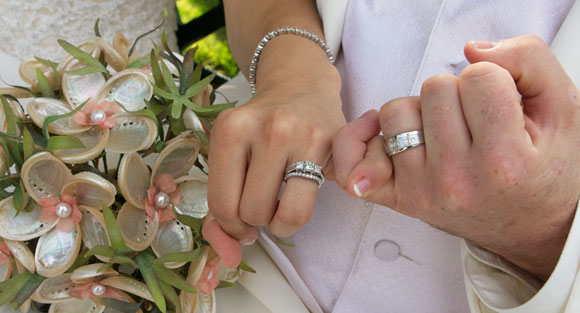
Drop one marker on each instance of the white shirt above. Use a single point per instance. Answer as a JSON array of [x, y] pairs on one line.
[[366, 258]]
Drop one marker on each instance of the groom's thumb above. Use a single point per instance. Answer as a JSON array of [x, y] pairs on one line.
[[540, 78]]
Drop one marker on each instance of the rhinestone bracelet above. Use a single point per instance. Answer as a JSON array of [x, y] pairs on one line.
[[283, 31]]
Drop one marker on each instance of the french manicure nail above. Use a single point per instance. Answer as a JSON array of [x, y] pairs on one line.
[[484, 45], [361, 187], [247, 241]]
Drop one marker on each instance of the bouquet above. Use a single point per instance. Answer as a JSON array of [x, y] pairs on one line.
[[104, 183]]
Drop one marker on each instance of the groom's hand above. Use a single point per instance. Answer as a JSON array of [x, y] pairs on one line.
[[496, 168]]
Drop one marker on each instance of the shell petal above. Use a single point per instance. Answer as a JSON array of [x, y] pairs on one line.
[[131, 133], [121, 44], [22, 253], [79, 88], [136, 227], [27, 71], [93, 229], [193, 196], [134, 179], [112, 57], [130, 88], [172, 236], [21, 227], [177, 158], [197, 265], [198, 303], [95, 141], [55, 289], [56, 251], [41, 108], [129, 285], [90, 190], [88, 273], [77, 306], [43, 175], [192, 121]]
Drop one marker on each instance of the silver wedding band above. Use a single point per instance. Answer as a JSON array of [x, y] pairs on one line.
[[305, 169], [404, 141]]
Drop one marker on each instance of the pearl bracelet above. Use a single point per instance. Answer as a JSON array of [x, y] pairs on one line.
[[283, 31]]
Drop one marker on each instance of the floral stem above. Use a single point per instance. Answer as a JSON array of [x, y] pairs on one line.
[[11, 176]]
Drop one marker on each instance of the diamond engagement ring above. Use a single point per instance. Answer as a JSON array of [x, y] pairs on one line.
[[404, 141], [305, 169]]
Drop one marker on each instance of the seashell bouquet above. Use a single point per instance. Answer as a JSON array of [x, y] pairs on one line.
[[103, 183]]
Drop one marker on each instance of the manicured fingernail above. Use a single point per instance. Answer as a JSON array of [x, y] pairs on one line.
[[484, 45], [361, 187], [247, 242], [365, 115]]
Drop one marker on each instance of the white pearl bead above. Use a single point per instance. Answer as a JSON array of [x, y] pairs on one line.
[[98, 290], [63, 210], [98, 116], [162, 200]]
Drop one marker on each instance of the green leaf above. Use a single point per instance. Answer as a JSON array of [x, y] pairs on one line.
[[245, 267], [168, 79], [52, 65], [211, 111], [81, 55], [156, 70], [177, 125], [185, 256], [140, 62], [194, 223], [29, 206], [45, 88], [26, 291], [21, 88], [171, 295], [118, 305], [145, 34], [64, 143], [187, 68], [9, 288], [162, 93], [104, 267], [284, 243], [169, 54], [51, 119], [199, 86], [225, 284], [145, 261], [172, 278], [101, 250], [121, 259], [81, 260], [11, 119], [159, 146], [85, 71], [197, 73], [21, 198], [177, 107], [114, 232], [96, 28], [28, 144]]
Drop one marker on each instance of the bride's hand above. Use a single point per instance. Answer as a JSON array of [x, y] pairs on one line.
[[293, 117]]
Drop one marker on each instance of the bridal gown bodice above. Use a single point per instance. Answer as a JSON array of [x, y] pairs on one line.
[[31, 28]]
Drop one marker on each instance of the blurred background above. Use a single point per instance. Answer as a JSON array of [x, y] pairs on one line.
[[201, 24]]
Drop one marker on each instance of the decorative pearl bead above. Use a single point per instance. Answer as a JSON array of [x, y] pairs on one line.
[[162, 200], [63, 210], [98, 116], [98, 290]]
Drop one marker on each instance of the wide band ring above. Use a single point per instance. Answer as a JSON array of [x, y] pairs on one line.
[[404, 141], [305, 169]]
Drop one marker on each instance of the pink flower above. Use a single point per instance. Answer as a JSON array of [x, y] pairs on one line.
[[166, 184], [209, 276], [86, 292], [49, 213], [5, 255], [83, 117]]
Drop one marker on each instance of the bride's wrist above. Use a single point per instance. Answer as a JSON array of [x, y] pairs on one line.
[[296, 65]]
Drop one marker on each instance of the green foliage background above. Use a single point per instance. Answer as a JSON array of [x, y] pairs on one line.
[[213, 49]]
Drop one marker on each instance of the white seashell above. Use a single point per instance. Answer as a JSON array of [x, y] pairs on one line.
[[95, 141], [129, 285], [22, 254], [130, 88], [89, 273], [131, 133], [27, 71], [112, 56], [136, 227], [193, 196], [79, 88], [228, 274], [198, 303], [192, 121], [177, 158], [23, 226], [134, 178], [196, 267], [172, 236], [56, 251], [93, 229], [90, 190], [5, 271], [88, 47], [55, 289], [121, 45], [43, 175], [76, 306], [41, 108]]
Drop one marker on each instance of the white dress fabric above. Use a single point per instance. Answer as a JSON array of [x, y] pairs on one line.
[[357, 257]]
